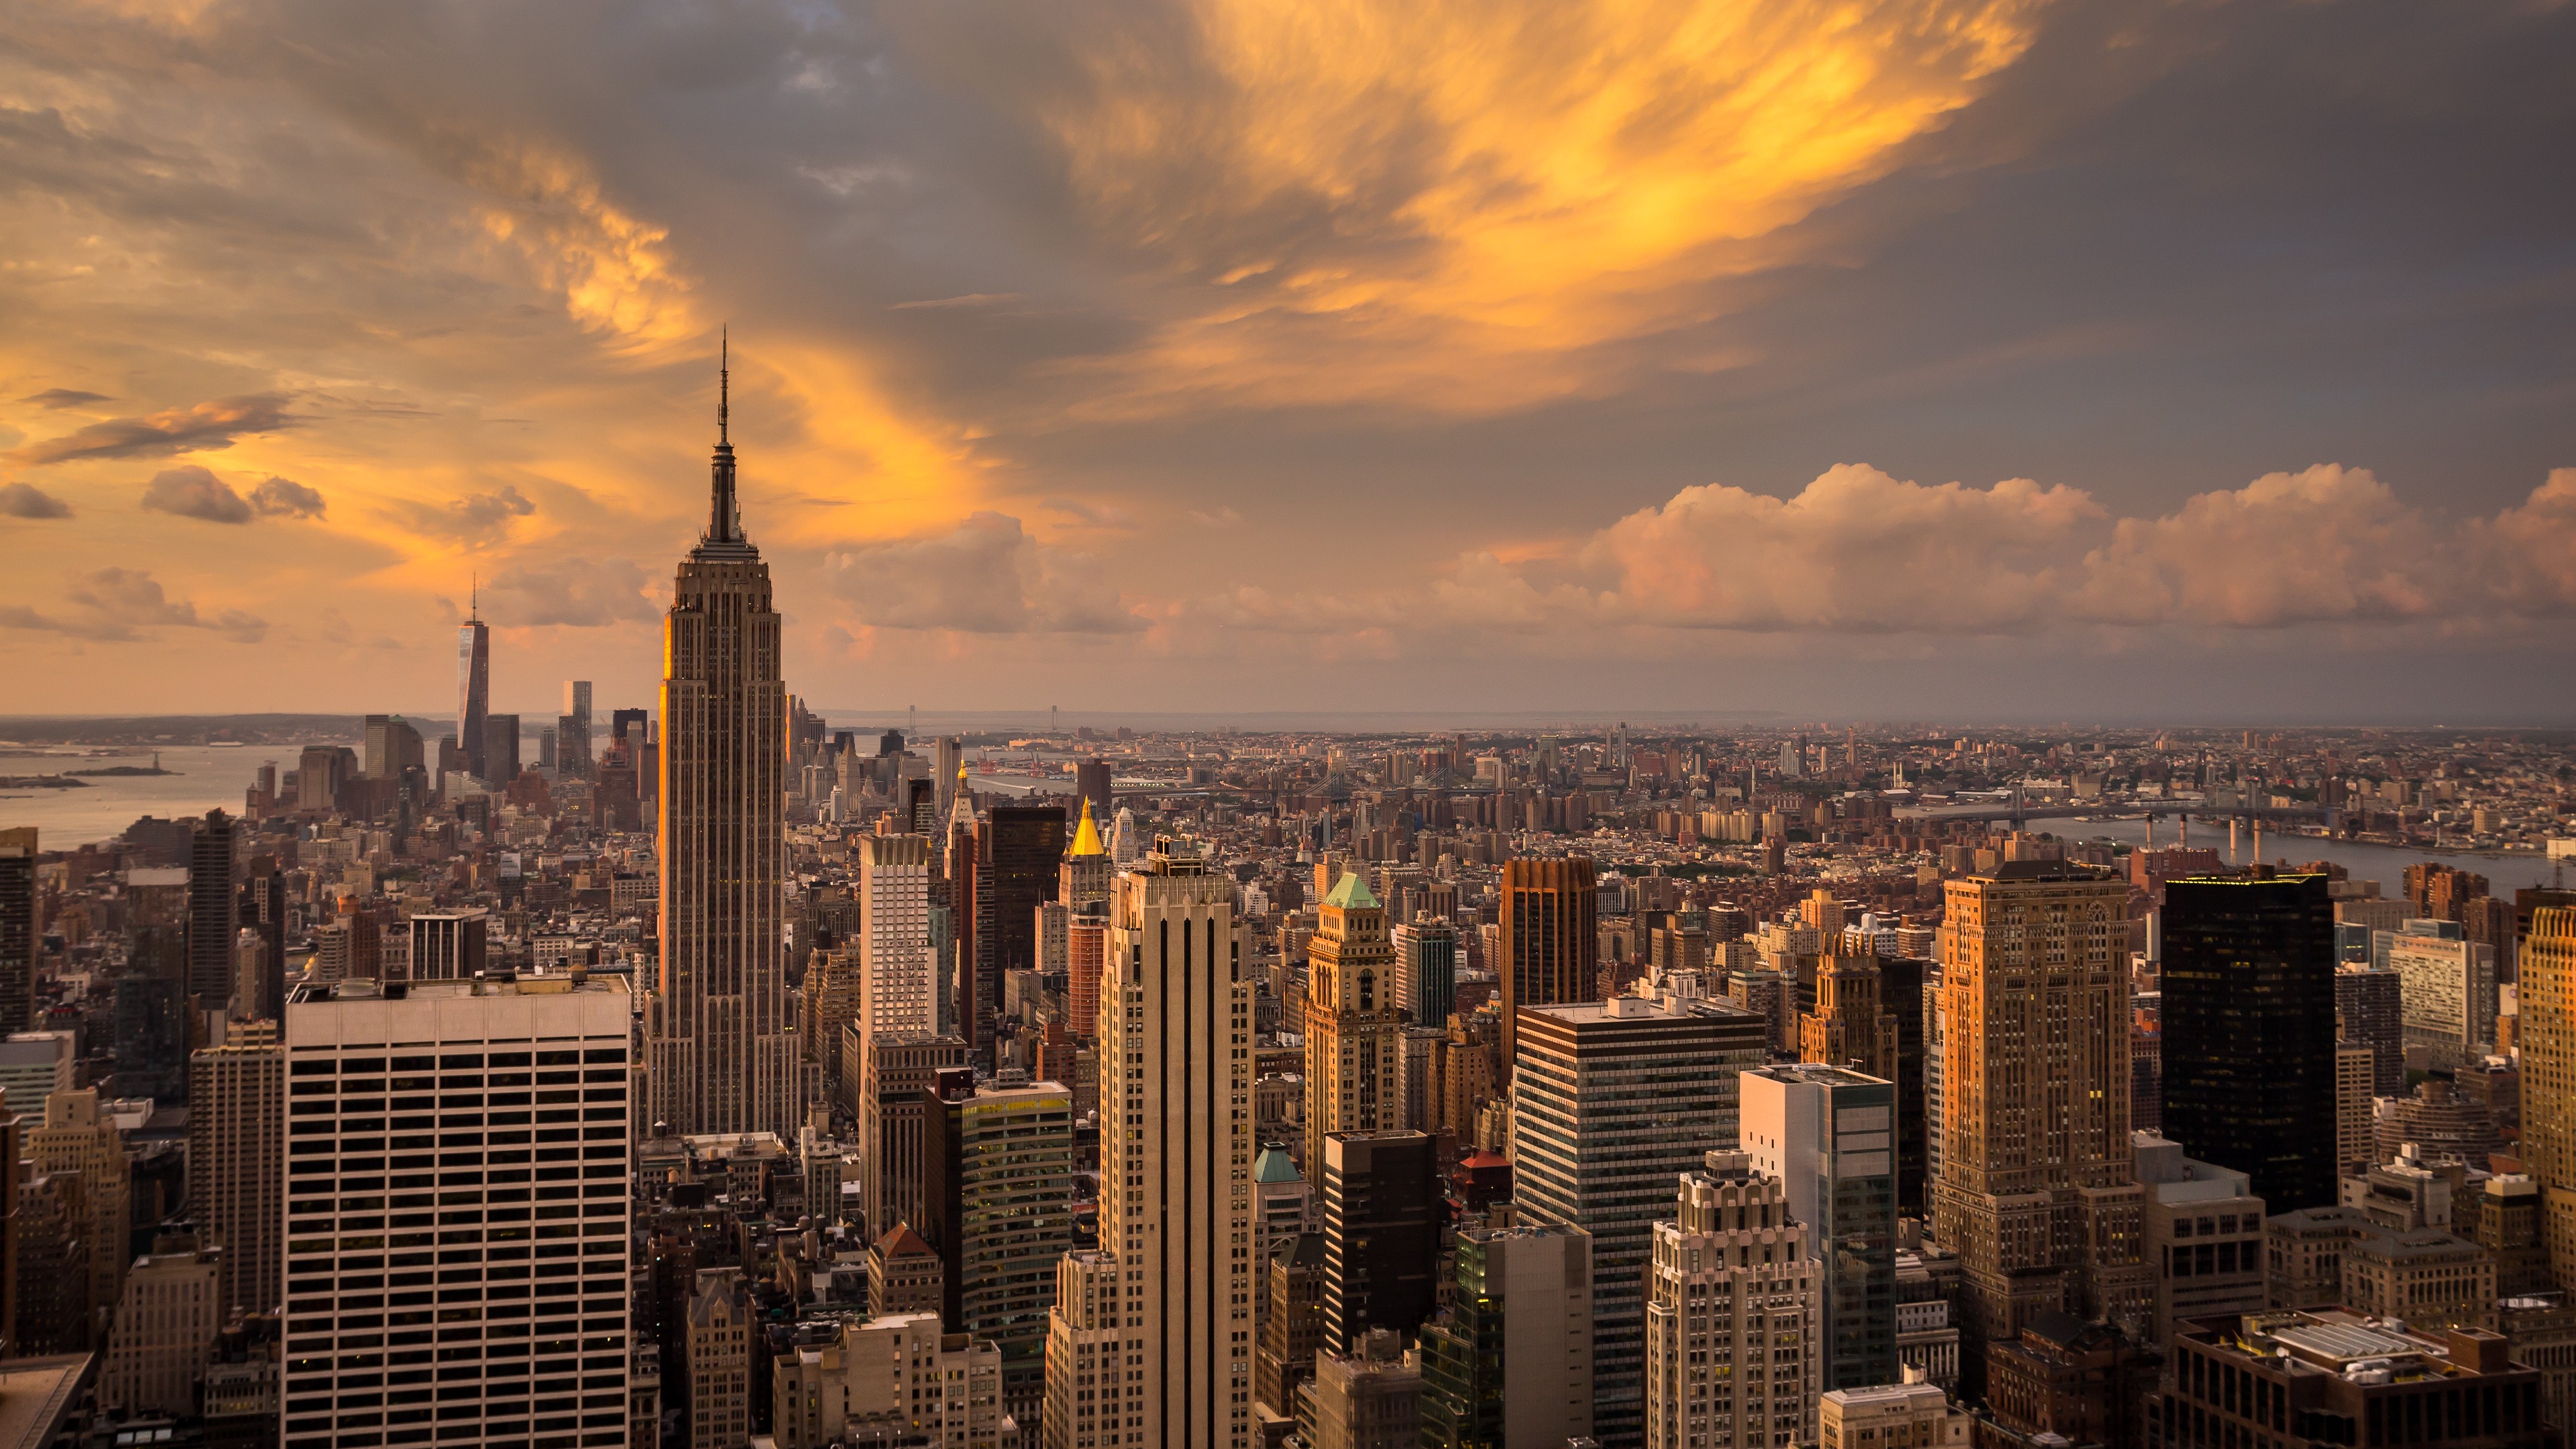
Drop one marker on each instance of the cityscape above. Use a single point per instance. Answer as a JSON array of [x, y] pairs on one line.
[[1322, 764]]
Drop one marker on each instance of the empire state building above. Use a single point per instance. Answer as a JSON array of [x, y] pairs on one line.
[[719, 1051]]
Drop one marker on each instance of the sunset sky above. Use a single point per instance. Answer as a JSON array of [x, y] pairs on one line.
[[1972, 360]]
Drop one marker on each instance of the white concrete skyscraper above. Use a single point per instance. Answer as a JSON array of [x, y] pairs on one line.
[[721, 1054], [1164, 1308]]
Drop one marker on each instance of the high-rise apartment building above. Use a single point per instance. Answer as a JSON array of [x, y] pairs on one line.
[[720, 1054], [1549, 933], [2037, 1194], [2249, 1037], [473, 689], [414, 1106], [1612, 1102], [17, 929], [1354, 1027], [1826, 1134], [999, 1208], [1382, 1221], [1167, 1301], [1734, 1316], [237, 1163], [1509, 1361], [2356, 1067], [2547, 992]]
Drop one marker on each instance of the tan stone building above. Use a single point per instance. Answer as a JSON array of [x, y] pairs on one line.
[[156, 1354], [719, 1361], [2546, 989], [1850, 1026], [79, 1136], [897, 1378], [1354, 1025], [1735, 1316], [237, 1162], [2037, 1193]]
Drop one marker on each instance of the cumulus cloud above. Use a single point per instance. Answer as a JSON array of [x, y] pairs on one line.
[[578, 591], [26, 500], [193, 492], [118, 605], [204, 427], [475, 520], [1859, 552], [985, 576], [285, 498]]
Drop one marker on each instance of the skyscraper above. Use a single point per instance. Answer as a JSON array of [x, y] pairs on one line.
[[2548, 999], [500, 749], [997, 1165], [1612, 1102], [897, 1001], [1510, 1360], [2037, 1191], [535, 1325], [17, 929], [237, 1162], [211, 923], [1824, 1132], [2249, 1037], [1085, 877], [1550, 946], [721, 1055], [1732, 1282], [1170, 1291], [1023, 854], [572, 732], [473, 685], [1354, 1026], [1382, 1227]]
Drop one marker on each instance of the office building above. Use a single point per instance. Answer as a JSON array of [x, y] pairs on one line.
[[2038, 1190], [1091, 780], [1354, 1028], [720, 1053], [2370, 1012], [2249, 1038], [2356, 1067], [1827, 1135], [500, 750], [416, 1103], [1734, 1320], [899, 1379], [165, 1328], [1509, 1361], [1549, 934], [77, 1135], [1426, 969], [1171, 1284], [716, 1360], [237, 1117], [1292, 1326], [2547, 995], [897, 1003], [1367, 1398], [573, 731], [449, 945], [1382, 1221], [2334, 1377], [473, 689], [211, 923], [17, 929], [1850, 1026], [999, 1209], [2203, 1236], [1913, 1414], [393, 748], [891, 1103], [1020, 852], [1612, 1102], [1085, 877], [2447, 991], [33, 1066]]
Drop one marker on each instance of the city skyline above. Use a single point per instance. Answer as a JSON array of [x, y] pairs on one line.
[[1653, 392]]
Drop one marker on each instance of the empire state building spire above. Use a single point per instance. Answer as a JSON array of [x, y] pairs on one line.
[[724, 537]]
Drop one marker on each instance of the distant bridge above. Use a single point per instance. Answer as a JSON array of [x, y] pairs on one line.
[[2017, 812]]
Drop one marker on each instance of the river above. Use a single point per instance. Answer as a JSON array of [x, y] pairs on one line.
[[202, 777], [2382, 863]]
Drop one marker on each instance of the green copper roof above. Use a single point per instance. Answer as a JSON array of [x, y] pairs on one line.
[[1273, 1166], [1353, 892]]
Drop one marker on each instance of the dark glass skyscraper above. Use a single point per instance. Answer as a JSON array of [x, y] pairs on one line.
[[2249, 1035], [473, 688], [211, 912]]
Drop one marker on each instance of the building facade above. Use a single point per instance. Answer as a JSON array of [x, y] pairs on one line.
[[1827, 1134], [1549, 933], [2249, 1030], [1734, 1321], [1354, 1026]]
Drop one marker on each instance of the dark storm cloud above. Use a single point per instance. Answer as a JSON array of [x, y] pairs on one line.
[[26, 500]]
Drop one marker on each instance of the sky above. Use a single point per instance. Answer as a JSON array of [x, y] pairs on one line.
[[1946, 360]]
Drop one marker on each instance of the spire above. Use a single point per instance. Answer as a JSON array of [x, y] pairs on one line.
[[724, 510], [1086, 836]]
